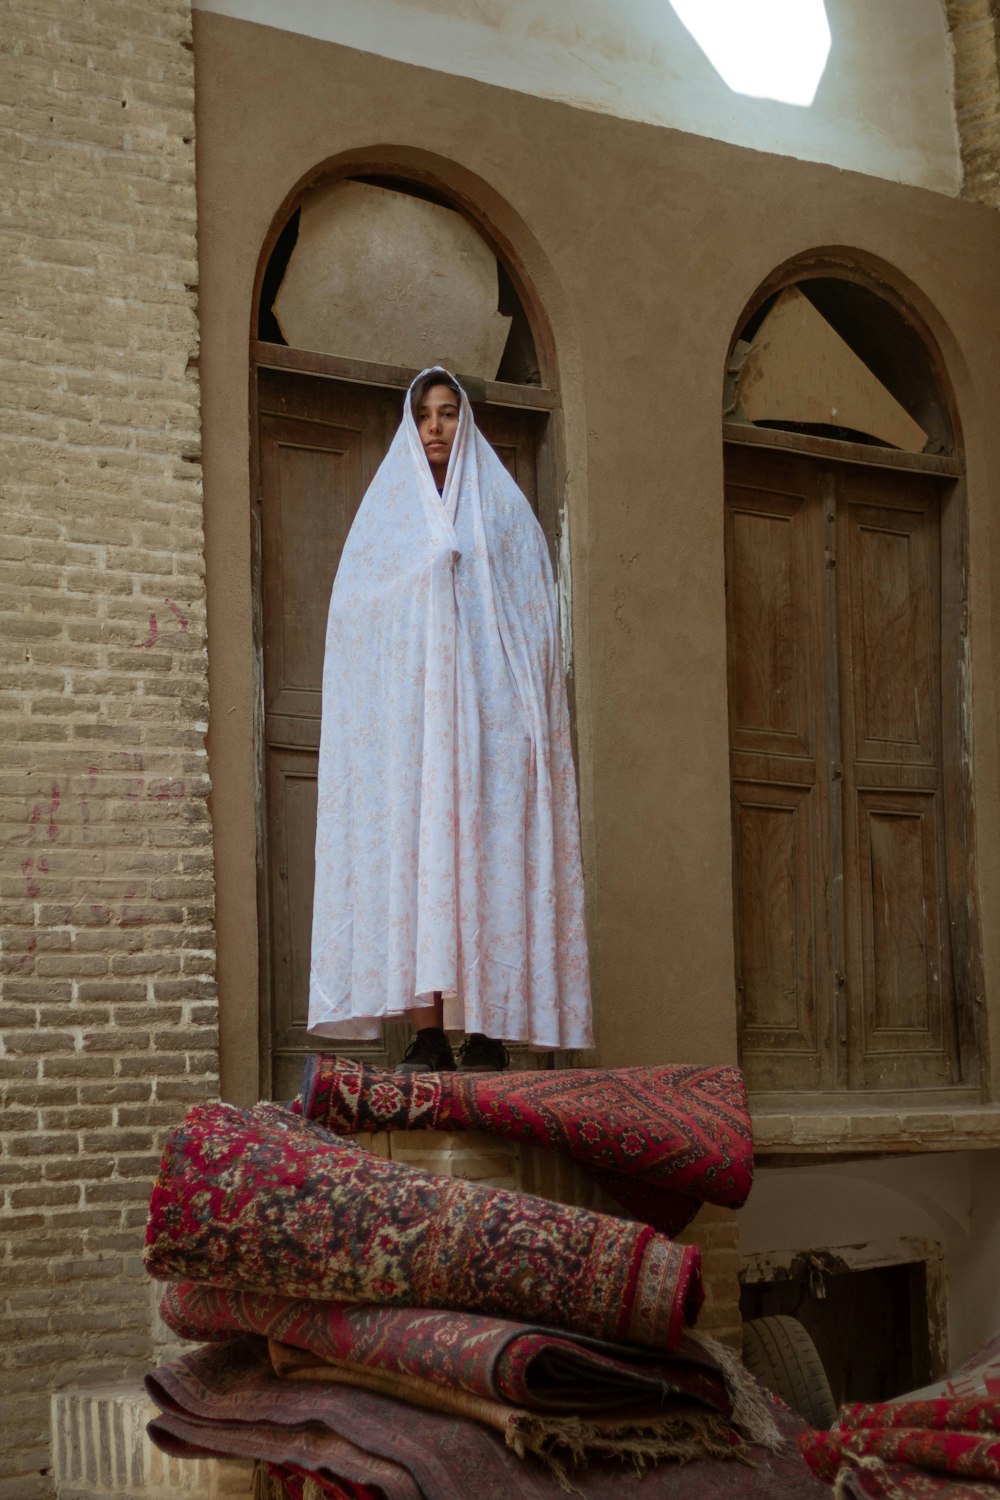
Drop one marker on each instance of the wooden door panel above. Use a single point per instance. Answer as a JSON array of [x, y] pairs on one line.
[[838, 772], [779, 768], [899, 993], [894, 641], [905, 962], [771, 704], [312, 476], [775, 858], [514, 437], [291, 807]]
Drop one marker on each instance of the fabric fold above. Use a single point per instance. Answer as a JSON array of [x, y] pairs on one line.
[[264, 1201], [447, 822], [943, 1437], [228, 1401], [660, 1140], [447, 830], [498, 1359]]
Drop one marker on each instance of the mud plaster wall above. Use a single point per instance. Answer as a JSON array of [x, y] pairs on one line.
[[883, 102], [643, 246]]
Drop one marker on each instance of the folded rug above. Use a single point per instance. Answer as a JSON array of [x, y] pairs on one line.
[[679, 1430], [959, 1438], [660, 1140], [526, 1365], [264, 1201], [495, 1359], [227, 1400]]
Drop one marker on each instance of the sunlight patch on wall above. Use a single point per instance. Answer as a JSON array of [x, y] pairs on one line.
[[767, 49]]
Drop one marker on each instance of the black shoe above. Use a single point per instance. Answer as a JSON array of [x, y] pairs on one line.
[[481, 1054], [429, 1052]]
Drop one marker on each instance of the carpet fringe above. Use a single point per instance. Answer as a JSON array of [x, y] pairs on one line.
[[752, 1414], [562, 1443]]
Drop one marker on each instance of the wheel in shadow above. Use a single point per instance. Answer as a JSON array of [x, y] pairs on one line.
[[780, 1354]]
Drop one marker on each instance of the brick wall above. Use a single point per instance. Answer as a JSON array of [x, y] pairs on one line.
[[108, 1008], [977, 95]]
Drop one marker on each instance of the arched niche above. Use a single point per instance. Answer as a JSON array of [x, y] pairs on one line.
[[351, 221], [824, 333], [354, 260], [845, 544]]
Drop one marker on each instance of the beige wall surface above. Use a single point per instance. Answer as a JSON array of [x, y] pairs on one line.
[[882, 74], [643, 246]]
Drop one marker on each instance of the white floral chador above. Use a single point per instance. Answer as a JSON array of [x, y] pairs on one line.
[[447, 840]]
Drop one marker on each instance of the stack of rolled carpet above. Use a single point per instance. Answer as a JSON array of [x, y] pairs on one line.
[[371, 1330]]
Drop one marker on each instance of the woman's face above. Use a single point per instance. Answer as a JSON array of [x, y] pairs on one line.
[[436, 417]]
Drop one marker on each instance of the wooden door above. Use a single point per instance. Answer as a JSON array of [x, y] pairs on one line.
[[899, 997], [319, 444], [837, 770]]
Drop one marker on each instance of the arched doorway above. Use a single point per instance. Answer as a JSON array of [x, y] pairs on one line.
[[856, 947], [364, 281]]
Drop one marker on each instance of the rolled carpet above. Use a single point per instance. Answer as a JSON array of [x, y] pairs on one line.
[[265, 1201], [661, 1140], [949, 1436]]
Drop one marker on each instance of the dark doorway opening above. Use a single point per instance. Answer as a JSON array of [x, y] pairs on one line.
[[870, 1327]]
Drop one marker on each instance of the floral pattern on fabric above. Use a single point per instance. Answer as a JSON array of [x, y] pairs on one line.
[[447, 840], [263, 1201], [959, 1438], [871, 1479], [526, 1365], [660, 1140]]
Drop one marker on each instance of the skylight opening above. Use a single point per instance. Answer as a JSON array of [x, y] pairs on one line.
[[766, 49]]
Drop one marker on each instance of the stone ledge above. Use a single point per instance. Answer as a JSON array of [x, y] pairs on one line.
[[101, 1452], [888, 1131]]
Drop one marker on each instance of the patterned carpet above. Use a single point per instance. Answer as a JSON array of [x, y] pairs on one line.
[[226, 1400], [527, 1365], [943, 1443], [660, 1140], [263, 1201]]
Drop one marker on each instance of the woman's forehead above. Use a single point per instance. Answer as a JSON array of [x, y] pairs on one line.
[[438, 394]]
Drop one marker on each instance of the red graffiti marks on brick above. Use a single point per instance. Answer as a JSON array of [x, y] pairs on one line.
[[182, 620], [53, 827], [154, 631]]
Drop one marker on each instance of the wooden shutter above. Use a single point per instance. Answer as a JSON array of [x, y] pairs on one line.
[[900, 1011], [780, 769], [837, 770]]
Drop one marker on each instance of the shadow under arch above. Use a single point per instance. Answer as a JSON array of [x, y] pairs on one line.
[[885, 319], [443, 180]]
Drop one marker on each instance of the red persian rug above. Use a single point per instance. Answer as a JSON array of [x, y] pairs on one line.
[[940, 1441], [262, 1200], [660, 1140], [226, 1400], [526, 1365]]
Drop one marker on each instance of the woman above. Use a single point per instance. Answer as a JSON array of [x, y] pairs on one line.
[[448, 879]]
